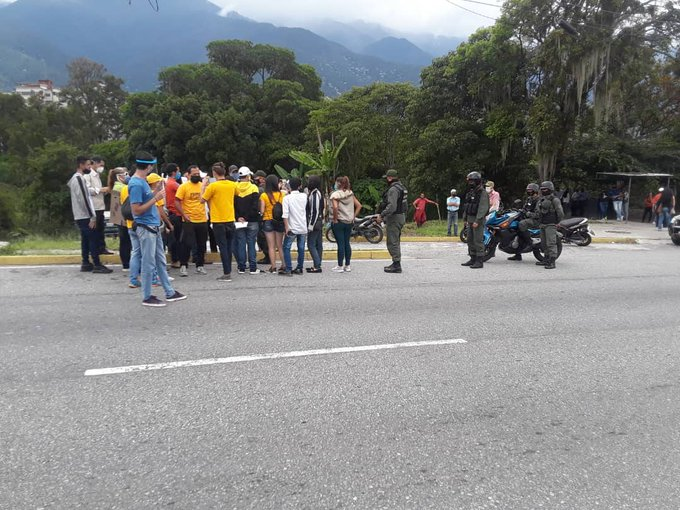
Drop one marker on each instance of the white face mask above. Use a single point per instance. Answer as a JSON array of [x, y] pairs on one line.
[[488, 189], [100, 169]]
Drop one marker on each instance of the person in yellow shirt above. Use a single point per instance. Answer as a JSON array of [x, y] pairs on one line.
[[273, 228], [194, 220], [219, 196]]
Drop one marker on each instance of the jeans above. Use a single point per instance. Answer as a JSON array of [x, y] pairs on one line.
[[224, 237], [315, 246], [664, 218], [452, 220], [618, 209], [342, 232], [89, 242], [245, 239], [125, 247], [288, 243], [135, 257], [153, 261], [194, 235]]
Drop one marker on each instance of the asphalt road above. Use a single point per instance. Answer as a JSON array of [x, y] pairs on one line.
[[565, 396]]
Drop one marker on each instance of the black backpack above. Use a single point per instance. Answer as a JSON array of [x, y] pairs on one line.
[[126, 210], [277, 209]]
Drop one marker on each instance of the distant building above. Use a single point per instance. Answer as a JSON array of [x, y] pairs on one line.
[[45, 89]]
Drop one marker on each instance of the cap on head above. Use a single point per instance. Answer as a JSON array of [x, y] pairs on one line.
[[660, 189], [391, 173], [144, 158], [244, 171], [261, 173], [453, 190], [153, 178], [490, 184]]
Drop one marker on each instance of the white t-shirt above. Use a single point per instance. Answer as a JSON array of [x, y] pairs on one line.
[[295, 211]]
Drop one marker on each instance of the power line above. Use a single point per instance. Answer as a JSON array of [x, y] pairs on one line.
[[483, 3], [471, 11]]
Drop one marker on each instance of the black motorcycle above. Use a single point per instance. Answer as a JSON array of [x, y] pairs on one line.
[[366, 227], [575, 231]]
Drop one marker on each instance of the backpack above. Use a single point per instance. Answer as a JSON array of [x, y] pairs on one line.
[[277, 209], [126, 210]]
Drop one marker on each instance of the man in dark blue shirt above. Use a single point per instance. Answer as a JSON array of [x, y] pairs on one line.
[[147, 223]]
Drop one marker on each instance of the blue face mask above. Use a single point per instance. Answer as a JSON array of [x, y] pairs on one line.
[[335, 187], [178, 178]]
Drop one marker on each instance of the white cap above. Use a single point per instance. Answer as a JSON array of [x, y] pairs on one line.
[[453, 190], [243, 171], [660, 189]]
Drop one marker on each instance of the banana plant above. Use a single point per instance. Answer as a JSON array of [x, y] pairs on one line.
[[325, 163]]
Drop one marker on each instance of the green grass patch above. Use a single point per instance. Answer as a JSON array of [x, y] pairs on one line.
[[432, 228], [35, 244]]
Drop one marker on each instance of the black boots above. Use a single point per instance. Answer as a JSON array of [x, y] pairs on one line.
[[469, 262], [478, 263], [517, 256], [542, 262], [395, 267], [550, 263]]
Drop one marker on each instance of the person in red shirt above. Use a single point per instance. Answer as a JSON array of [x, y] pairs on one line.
[[173, 173], [420, 203]]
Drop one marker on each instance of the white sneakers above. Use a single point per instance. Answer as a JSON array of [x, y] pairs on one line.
[[183, 271], [201, 270], [348, 269]]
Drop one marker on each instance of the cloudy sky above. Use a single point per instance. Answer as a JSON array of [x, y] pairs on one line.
[[432, 16]]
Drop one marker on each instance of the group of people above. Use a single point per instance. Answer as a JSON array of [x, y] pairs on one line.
[[542, 209], [659, 208], [235, 208]]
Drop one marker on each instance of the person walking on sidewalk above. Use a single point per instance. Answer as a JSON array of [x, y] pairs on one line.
[[147, 225], [86, 218], [452, 207], [392, 210], [476, 209]]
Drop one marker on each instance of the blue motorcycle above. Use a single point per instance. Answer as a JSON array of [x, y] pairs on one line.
[[501, 232]]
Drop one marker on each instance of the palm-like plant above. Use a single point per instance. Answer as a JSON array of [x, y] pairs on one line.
[[325, 163]]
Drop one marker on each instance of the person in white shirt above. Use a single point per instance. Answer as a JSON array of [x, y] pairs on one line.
[[295, 227], [452, 206], [92, 177]]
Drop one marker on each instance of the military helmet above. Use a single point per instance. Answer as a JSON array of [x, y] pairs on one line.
[[474, 176], [533, 187], [548, 185]]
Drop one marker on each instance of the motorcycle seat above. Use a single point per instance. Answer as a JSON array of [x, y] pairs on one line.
[[571, 222]]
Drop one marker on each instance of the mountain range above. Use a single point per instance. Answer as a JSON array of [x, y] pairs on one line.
[[39, 37]]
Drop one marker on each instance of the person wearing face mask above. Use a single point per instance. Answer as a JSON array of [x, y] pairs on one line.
[[93, 179], [550, 213], [530, 220], [494, 196], [195, 221], [118, 179], [147, 223], [171, 187], [476, 209]]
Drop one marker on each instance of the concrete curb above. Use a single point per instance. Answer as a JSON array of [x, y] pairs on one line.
[[60, 260]]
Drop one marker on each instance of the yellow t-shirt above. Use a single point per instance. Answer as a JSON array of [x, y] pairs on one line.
[[220, 198], [269, 206], [190, 196]]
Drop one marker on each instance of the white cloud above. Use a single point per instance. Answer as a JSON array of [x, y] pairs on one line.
[[438, 17]]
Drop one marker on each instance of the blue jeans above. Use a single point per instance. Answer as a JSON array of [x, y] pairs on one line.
[[245, 238], [224, 237], [342, 232], [287, 244], [89, 242], [315, 246], [135, 257], [618, 209], [664, 218], [153, 260], [452, 220]]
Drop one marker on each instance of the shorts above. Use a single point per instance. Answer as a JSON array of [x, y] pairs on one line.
[[273, 226]]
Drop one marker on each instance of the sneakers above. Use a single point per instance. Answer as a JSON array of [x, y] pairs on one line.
[[171, 279], [338, 269], [348, 269], [255, 271], [86, 268], [134, 284], [201, 270], [297, 270], [153, 301], [125, 270], [106, 251], [183, 271], [101, 270], [177, 296], [175, 265], [241, 271], [224, 278], [285, 273]]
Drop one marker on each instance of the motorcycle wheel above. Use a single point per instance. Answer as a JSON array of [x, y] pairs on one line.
[[374, 234], [538, 252], [490, 251], [676, 239], [464, 235], [330, 235], [583, 239]]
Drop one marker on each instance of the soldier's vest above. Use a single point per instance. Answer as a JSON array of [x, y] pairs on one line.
[[472, 201], [547, 211], [402, 201]]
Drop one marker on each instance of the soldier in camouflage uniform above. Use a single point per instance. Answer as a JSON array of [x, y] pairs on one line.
[[550, 213], [392, 209], [530, 220], [474, 216]]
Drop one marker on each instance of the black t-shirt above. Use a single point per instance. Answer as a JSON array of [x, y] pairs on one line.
[[666, 199]]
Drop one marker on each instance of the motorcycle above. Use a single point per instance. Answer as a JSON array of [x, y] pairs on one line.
[[501, 231], [576, 231], [674, 230], [366, 227]]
